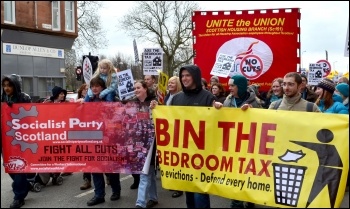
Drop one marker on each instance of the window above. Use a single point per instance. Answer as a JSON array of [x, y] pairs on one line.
[[56, 25], [27, 85], [69, 9], [46, 84], [9, 12]]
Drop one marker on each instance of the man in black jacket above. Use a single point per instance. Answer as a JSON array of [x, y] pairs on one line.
[[192, 92], [12, 93], [193, 95]]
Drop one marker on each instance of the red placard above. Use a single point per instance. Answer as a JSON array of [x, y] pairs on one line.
[[269, 38]]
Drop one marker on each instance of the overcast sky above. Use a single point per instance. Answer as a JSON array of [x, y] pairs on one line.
[[324, 27]]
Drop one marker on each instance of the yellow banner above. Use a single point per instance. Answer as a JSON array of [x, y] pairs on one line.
[[272, 158]]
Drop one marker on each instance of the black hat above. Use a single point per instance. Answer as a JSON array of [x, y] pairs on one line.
[[327, 84], [56, 91]]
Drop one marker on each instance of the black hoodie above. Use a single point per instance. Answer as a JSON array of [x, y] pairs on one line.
[[193, 97], [18, 96]]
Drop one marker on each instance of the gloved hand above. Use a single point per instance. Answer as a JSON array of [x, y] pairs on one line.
[[9, 103]]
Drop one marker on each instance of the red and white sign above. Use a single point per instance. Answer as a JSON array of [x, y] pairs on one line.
[[87, 70], [251, 66], [264, 43], [326, 67]]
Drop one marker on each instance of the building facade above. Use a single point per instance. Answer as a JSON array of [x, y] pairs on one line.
[[34, 37]]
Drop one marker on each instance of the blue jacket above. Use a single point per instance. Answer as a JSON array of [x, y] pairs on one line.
[[337, 108], [112, 88]]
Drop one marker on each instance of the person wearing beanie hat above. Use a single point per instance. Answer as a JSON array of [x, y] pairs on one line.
[[327, 85], [343, 90], [242, 85], [240, 97], [58, 95], [326, 101]]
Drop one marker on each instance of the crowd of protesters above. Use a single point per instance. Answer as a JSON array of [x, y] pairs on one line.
[[291, 93]]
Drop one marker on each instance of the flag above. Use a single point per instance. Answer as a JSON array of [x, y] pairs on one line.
[[136, 53]]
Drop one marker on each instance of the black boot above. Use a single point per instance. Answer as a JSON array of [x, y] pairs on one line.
[[135, 185], [17, 204]]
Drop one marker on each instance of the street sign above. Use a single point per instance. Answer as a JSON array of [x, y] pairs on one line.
[[326, 67], [87, 70]]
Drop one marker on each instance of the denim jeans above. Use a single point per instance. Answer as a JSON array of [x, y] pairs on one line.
[[197, 200], [20, 185], [99, 183], [147, 186]]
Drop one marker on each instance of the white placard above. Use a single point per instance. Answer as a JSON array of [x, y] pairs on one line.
[[315, 74], [37, 51], [87, 70], [125, 84], [223, 65], [152, 61]]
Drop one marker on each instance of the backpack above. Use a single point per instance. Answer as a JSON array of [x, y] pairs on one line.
[[309, 106]]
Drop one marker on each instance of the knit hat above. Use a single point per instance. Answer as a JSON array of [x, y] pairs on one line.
[[343, 88], [241, 82], [56, 91], [327, 84]]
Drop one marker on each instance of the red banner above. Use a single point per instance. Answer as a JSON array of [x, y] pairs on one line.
[[71, 137], [263, 43]]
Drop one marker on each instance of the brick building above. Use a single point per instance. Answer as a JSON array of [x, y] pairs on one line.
[[34, 37]]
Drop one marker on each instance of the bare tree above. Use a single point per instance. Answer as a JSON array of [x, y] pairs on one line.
[[91, 36], [123, 62], [164, 23], [70, 63]]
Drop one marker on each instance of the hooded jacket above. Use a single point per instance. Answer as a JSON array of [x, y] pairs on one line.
[[193, 97], [56, 92], [18, 96], [250, 98]]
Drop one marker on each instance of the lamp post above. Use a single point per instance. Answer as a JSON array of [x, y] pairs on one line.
[[302, 60], [334, 64]]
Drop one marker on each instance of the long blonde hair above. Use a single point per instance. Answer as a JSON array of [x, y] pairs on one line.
[[110, 67]]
